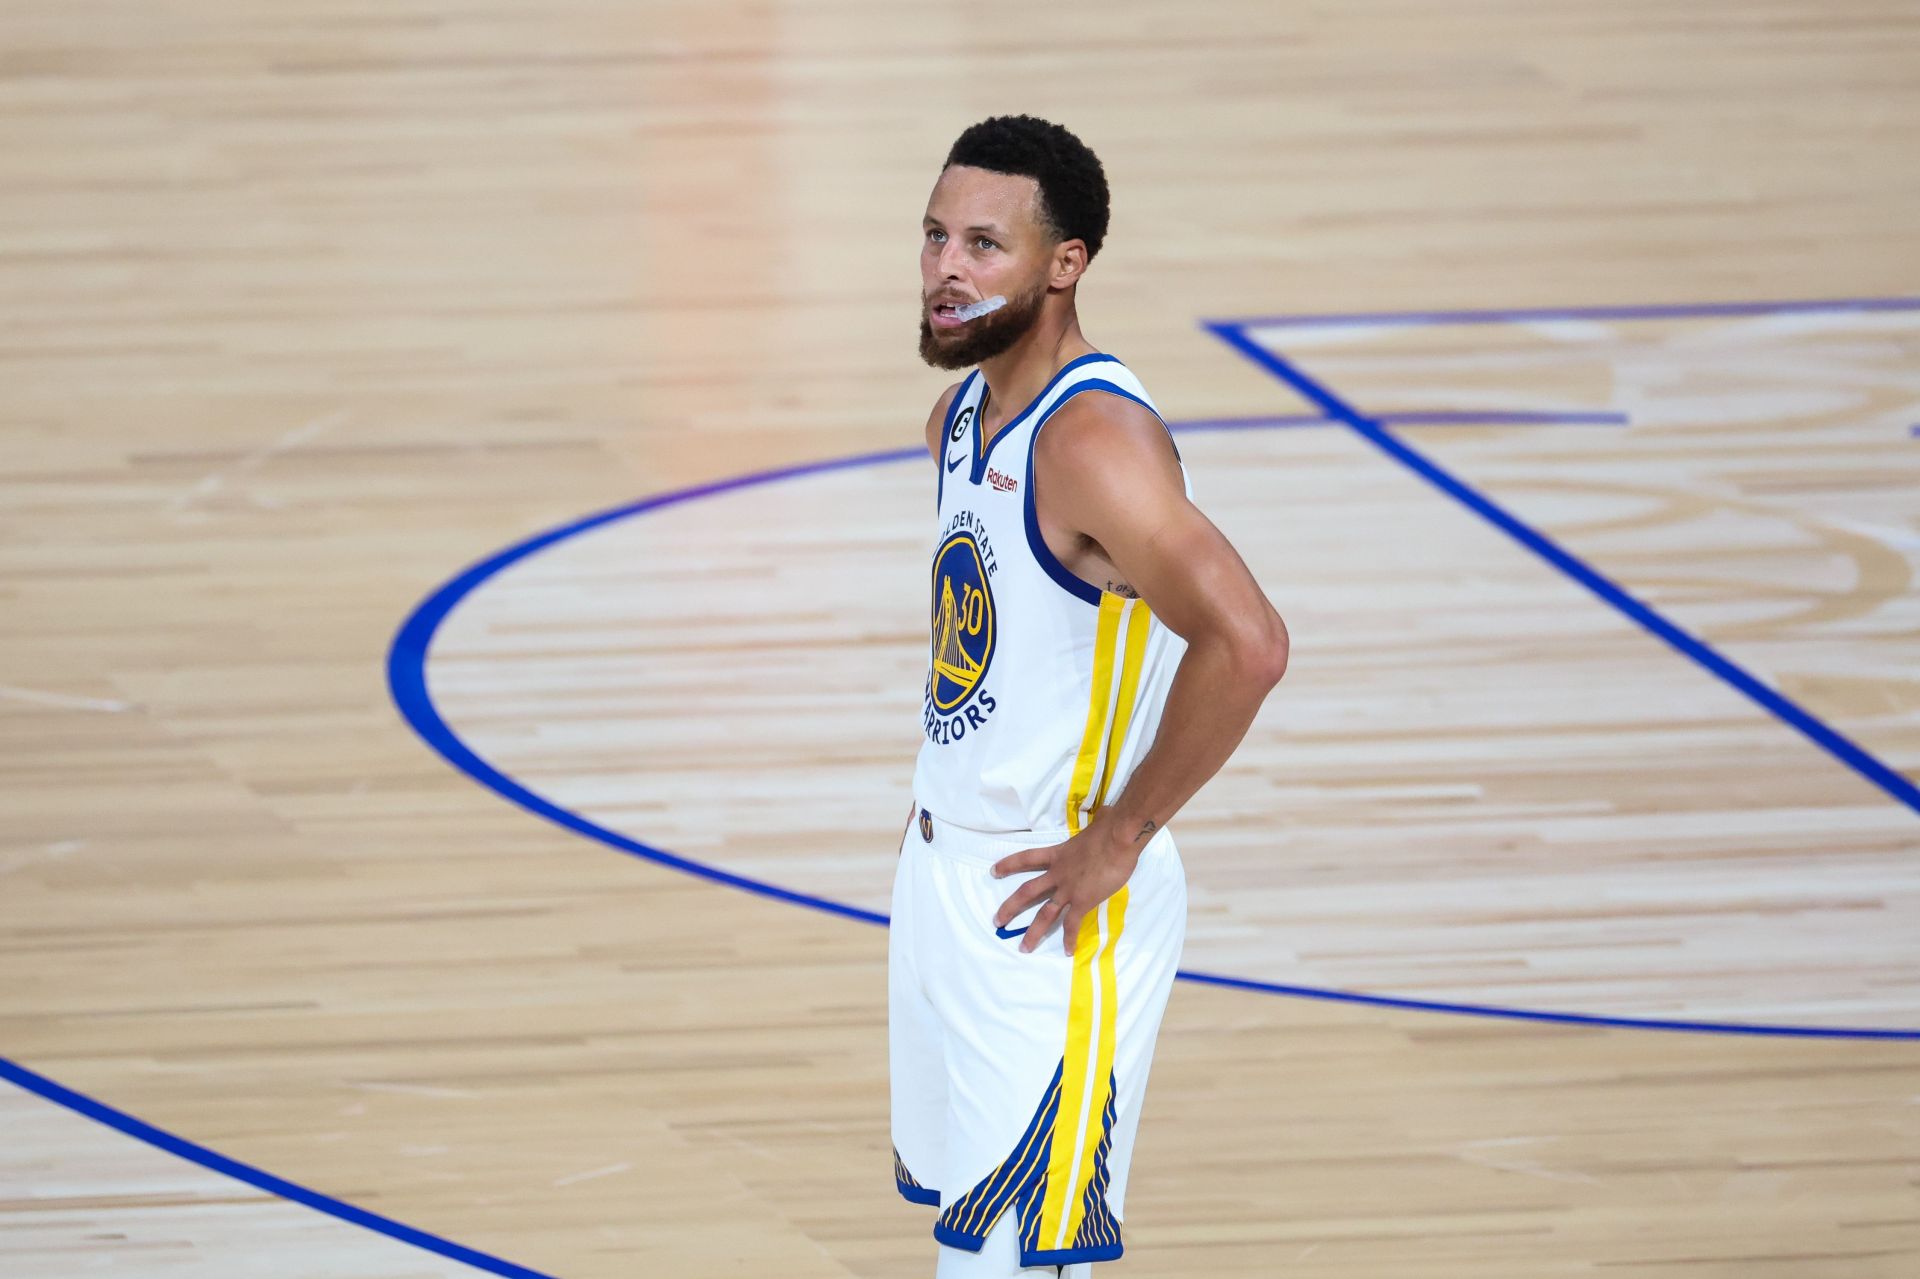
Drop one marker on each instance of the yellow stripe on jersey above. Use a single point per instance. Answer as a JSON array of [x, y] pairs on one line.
[[1129, 685], [1104, 642], [1086, 1073]]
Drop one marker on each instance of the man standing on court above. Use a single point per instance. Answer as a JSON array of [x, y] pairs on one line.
[[1098, 650]]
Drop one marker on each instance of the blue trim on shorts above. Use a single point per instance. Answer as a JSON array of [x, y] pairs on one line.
[[1057, 1257], [954, 1239], [1068, 1256], [967, 1221], [917, 1194], [909, 1186]]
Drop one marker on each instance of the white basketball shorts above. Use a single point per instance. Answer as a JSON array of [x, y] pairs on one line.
[[1017, 1078]]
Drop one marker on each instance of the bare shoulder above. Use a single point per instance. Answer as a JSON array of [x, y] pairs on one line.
[[1097, 434], [937, 419]]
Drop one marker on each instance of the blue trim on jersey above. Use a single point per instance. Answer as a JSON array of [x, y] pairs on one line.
[[946, 433], [1060, 573], [981, 451]]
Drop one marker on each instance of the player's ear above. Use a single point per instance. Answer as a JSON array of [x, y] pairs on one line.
[[1069, 264]]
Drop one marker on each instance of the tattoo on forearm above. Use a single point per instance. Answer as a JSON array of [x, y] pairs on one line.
[[1146, 830], [1121, 588]]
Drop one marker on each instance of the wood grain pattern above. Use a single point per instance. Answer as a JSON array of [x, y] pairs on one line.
[[304, 309]]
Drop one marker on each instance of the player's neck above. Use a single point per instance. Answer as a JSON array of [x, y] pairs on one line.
[[1021, 372]]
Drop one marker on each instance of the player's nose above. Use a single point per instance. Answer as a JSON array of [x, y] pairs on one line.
[[951, 260]]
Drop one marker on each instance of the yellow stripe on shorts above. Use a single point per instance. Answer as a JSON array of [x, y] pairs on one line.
[[1087, 1072]]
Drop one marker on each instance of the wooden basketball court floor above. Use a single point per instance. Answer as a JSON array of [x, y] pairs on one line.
[[464, 619]]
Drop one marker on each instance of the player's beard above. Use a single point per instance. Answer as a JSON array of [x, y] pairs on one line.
[[992, 334]]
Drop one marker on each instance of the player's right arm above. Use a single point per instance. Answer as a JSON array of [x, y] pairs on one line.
[[936, 423]]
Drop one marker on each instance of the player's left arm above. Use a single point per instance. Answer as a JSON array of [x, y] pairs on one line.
[[1107, 470]]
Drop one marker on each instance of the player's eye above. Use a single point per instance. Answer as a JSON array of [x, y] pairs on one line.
[[984, 240], [936, 234]]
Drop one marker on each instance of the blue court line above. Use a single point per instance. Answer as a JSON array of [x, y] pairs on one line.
[[406, 676], [213, 1161], [1562, 1019], [406, 659], [406, 667], [1827, 738], [1683, 310], [1425, 417], [1506, 417]]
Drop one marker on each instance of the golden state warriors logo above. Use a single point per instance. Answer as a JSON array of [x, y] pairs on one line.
[[964, 624], [962, 621]]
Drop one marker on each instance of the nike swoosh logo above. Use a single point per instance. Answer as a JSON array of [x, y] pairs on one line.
[[955, 464], [1008, 934]]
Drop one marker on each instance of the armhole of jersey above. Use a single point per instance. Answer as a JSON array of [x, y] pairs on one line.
[[1068, 580], [946, 430]]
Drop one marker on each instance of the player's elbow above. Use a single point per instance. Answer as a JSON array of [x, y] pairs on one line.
[[1263, 648], [1274, 653]]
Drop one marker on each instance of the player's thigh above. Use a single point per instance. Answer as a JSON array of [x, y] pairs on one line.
[[916, 1044], [1047, 1053]]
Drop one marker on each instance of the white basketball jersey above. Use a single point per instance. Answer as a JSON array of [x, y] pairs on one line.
[[1043, 690]]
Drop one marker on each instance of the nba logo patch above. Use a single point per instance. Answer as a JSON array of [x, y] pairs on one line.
[[962, 622], [926, 826]]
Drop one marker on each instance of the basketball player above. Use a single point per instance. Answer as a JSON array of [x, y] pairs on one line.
[[1098, 650]]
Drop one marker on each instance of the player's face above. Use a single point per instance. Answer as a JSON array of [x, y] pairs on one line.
[[980, 237]]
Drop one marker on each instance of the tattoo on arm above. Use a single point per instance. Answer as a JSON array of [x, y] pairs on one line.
[[1121, 588], [1146, 830]]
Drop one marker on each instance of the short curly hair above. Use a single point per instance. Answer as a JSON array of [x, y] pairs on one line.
[[1073, 186]]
